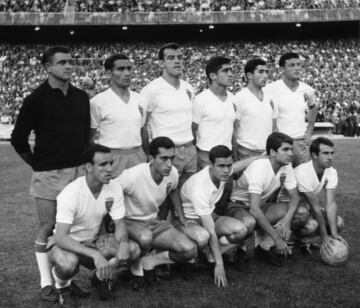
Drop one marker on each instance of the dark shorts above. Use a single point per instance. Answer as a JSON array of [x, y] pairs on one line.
[[157, 226]]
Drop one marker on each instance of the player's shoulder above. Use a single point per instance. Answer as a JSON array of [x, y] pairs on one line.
[[74, 187], [114, 187], [274, 85], [100, 97], [186, 84], [203, 96], [154, 84], [135, 170], [331, 171], [305, 86], [242, 93]]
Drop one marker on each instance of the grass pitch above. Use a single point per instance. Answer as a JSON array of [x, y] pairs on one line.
[[303, 282]]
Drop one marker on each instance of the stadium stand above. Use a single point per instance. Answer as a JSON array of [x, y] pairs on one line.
[[331, 67], [125, 6]]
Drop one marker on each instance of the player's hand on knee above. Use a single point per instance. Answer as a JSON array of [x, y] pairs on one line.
[[103, 268], [123, 254], [281, 247], [219, 275]]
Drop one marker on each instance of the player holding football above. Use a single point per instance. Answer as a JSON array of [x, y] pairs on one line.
[[81, 207], [250, 199], [313, 177]]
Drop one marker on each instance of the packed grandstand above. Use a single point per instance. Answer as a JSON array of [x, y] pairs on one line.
[[124, 6], [331, 67]]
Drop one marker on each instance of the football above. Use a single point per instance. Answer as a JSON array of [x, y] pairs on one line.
[[339, 254]]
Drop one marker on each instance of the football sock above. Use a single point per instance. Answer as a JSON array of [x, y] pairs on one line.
[[149, 262], [43, 263], [60, 283], [223, 240], [137, 268]]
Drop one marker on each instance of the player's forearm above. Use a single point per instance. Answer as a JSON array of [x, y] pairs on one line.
[[241, 165], [177, 204], [312, 118], [293, 205], [145, 140], [215, 248], [331, 213], [320, 219], [67, 243]]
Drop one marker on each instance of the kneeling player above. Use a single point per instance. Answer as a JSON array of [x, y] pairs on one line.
[[81, 207], [199, 195], [251, 204], [145, 188], [312, 178]]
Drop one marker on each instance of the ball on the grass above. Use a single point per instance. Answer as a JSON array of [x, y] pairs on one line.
[[339, 254]]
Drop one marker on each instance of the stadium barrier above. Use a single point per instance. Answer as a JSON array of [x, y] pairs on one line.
[[154, 18]]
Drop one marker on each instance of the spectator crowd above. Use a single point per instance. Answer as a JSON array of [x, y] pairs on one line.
[[331, 67], [125, 6]]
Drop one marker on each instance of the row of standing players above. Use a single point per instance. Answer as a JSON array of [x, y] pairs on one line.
[[230, 128]]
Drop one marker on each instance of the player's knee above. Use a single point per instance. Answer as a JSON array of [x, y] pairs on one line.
[[145, 239], [201, 238], [301, 216], [310, 226], [66, 265], [188, 249], [135, 250], [340, 223], [239, 232], [250, 224]]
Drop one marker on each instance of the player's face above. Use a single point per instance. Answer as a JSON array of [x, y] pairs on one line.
[[224, 75], [283, 154], [173, 62], [60, 67], [101, 168], [259, 77], [292, 69], [121, 73], [163, 161], [325, 157], [221, 168]]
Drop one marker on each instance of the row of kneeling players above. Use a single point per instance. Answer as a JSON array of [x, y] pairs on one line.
[[211, 223]]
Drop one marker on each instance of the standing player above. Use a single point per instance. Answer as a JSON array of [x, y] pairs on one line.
[[213, 111], [254, 112], [169, 104], [145, 188], [255, 187], [119, 115], [81, 207], [60, 117], [291, 97], [312, 178], [199, 196]]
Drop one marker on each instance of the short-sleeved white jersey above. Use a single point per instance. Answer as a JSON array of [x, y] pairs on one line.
[[199, 194], [215, 119], [142, 196], [308, 180], [119, 123], [259, 178], [290, 106], [171, 109], [77, 206], [255, 119]]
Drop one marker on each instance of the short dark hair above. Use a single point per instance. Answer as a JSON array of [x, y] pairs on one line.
[[288, 56], [90, 151], [214, 64], [219, 151], [173, 46], [252, 64], [275, 140], [109, 62], [160, 142], [315, 145], [49, 53]]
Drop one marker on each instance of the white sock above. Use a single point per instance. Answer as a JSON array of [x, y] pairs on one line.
[[137, 268], [44, 268], [60, 283], [149, 262], [223, 240]]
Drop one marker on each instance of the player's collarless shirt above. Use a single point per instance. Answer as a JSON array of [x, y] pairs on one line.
[[142, 196], [76, 205], [119, 123], [259, 178], [215, 119], [199, 194], [171, 109]]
